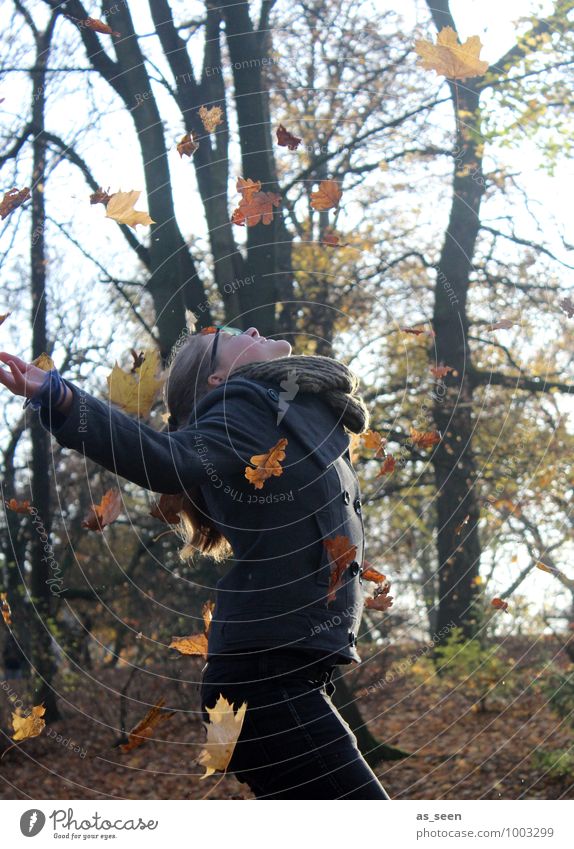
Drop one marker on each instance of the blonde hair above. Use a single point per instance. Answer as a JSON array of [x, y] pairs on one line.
[[185, 385]]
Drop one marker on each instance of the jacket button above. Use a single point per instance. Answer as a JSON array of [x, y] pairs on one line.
[[273, 394], [357, 505], [346, 497], [354, 567], [352, 638]]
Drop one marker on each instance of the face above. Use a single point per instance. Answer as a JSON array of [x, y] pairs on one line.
[[247, 347]]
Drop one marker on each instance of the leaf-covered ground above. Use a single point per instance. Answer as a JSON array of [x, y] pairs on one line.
[[457, 752]]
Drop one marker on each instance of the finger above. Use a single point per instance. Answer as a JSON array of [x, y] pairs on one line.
[[5, 356]]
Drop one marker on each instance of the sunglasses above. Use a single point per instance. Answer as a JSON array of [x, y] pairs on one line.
[[215, 329]]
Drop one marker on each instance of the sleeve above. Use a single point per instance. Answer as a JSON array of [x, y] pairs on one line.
[[224, 438]]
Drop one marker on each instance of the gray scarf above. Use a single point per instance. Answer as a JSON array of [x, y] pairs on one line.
[[327, 377]]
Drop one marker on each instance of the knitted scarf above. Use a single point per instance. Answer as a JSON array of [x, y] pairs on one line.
[[334, 381]]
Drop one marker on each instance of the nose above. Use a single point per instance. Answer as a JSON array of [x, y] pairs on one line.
[[252, 331]]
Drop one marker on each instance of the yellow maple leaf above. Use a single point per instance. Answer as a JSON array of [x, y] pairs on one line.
[[28, 726], [120, 207], [44, 361], [135, 393], [223, 732], [450, 58]]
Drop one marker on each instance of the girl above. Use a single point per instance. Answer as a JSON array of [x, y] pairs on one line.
[[281, 622]]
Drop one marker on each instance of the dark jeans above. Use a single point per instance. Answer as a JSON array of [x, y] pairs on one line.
[[293, 743]]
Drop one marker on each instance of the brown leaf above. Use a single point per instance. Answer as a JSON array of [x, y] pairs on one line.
[[187, 145], [28, 726], [388, 466], [104, 513], [6, 314], [503, 324], [449, 57], [416, 331], [12, 200], [255, 206], [500, 604], [369, 573], [223, 732], [18, 506], [380, 599], [192, 644], [99, 26], [424, 439], [373, 439], [287, 139], [440, 370], [341, 553], [6, 612], [144, 729], [267, 465], [568, 306], [211, 118], [327, 195]]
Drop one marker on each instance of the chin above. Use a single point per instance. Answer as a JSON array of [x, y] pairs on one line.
[[283, 348]]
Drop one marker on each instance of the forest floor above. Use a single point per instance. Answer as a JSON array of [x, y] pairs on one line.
[[456, 751]]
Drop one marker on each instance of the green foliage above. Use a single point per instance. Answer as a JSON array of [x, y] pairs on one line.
[[558, 763], [472, 669], [558, 688]]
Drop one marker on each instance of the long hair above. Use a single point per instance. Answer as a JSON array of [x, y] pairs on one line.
[[185, 385]]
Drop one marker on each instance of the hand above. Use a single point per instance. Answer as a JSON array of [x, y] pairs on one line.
[[23, 378]]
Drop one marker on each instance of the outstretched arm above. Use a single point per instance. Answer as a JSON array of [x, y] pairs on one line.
[[219, 446]]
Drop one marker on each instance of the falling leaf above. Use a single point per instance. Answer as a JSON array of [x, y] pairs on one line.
[[506, 506], [28, 726], [255, 205], [99, 26], [388, 466], [545, 568], [210, 118], [464, 522], [380, 600], [12, 200], [287, 139], [187, 145], [331, 239], [267, 465], [373, 439], [168, 508], [145, 728], [4, 317], [341, 553], [503, 324], [223, 731], [417, 331], [107, 511], [440, 371], [135, 393], [6, 612], [450, 58], [424, 439], [138, 360], [120, 207], [369, 573], [195, 643], [499, 604], [327, 195], [44, 361], [568, 306], [18, 506]]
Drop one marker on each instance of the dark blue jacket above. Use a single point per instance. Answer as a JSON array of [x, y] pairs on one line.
[[275, 593]]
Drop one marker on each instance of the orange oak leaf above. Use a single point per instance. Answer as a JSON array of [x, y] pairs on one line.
[[145, 727], [499, 604], [423, 438], [6, 612], [99, 26], [440, 370], [327, 195], [195, 643], [18, 506], [331, 239], [451, 58], [287, 139], [369, 573], [388, 466], [373, 439], [255, 206], [187, 145], [267, 465], [211, 118], [341, 553], [168, 508], [104, 513], [12, 200]]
